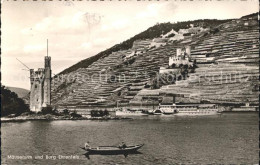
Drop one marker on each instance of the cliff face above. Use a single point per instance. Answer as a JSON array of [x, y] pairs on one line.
[[227, 72]]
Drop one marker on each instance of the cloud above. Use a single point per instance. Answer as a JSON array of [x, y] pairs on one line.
[[150, 12], [34, 48], [117, 24], [12, 48], [100, 41], [68, 24], [41, 26], [45, 24], [86, 45], [120, 24], [155, 10], [95, 44]]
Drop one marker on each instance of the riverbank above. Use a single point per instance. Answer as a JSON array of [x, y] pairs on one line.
[[50, 117]]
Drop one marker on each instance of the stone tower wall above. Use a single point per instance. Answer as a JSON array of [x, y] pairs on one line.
[[36, 94], [40, 94], [47, 82]]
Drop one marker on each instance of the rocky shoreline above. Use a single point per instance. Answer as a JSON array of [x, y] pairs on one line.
[[49, 117]]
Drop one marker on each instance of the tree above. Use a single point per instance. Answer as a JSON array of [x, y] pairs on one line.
[[101, 113], [11, 104], [74, 114], [106, 113], [173, 65], [94, 113], [65, 111]]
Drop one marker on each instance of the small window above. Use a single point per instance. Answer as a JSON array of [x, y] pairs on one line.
[[36, 87]]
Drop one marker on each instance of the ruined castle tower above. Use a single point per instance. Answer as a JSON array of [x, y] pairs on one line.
[[40, 95], [47, 82], [182, 56]]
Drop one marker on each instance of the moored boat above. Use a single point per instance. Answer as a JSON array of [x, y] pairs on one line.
[[126, 112], [196, 109], [113, 149], [167, 109], [157, 112]]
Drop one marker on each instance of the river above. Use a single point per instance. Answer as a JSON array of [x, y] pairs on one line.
[[229, 138]]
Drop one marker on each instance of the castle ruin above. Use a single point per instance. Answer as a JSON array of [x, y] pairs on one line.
[[182, 57], [40, 95]]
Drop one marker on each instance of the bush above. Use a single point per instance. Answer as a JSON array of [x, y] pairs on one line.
[[65, 111], [171, 35], [214, 31], [99, 113], [147, 86], [106, 113], [47, 110], [131, 61], [75, 115]]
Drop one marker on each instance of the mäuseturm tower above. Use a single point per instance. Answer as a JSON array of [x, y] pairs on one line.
[[47, 82], [40, 95]]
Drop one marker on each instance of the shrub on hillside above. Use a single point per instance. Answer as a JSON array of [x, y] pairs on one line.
[[171, 35]]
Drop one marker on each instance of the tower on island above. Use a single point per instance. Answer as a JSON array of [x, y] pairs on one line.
[[40, 93]]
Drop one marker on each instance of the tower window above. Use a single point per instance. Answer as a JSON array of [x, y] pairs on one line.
[[35, 86]]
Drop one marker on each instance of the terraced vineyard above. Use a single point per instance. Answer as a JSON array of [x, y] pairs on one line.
[[227, 60]]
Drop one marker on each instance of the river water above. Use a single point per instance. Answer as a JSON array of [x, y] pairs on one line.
[[229, 138]]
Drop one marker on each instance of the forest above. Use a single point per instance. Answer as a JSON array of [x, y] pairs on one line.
[[11, 104]]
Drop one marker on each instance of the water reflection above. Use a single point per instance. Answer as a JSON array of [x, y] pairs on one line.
[[87, 154]]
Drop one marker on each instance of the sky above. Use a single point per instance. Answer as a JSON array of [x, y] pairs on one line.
[[77, 30]]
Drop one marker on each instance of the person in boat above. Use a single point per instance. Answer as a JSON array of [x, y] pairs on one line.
[[87, 145], [123, 145]]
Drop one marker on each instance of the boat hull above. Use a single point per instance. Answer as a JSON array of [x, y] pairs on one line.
[[124, 113], [110, 150], [157, 113], [168, 113], [195, 113]]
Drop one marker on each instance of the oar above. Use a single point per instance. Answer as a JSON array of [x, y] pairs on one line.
[[87, 155], [83, 148], [125, 154]]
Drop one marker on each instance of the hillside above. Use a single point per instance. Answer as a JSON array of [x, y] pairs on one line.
[[125, 72], [150, 33], [19, 91]]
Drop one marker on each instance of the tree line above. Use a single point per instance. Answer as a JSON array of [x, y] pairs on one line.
[[11, 103]]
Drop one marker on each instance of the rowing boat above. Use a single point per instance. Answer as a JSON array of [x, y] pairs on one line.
[[113, 149]]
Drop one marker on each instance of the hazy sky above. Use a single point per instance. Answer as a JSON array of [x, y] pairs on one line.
[[78, 30]]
